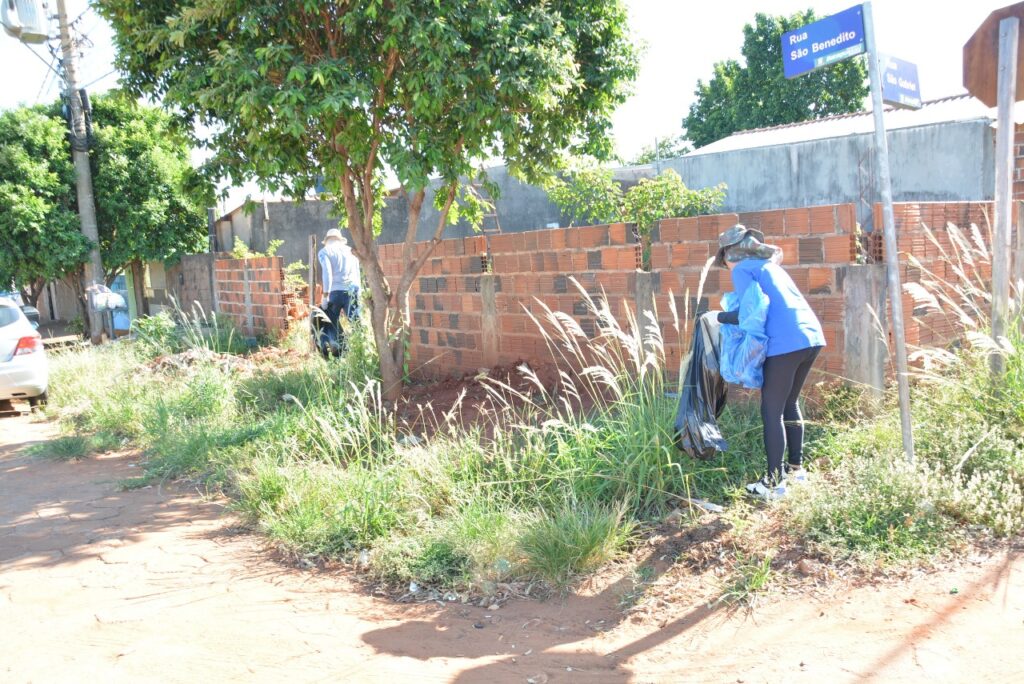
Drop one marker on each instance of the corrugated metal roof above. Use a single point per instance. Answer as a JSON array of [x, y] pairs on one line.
[[944, 110]]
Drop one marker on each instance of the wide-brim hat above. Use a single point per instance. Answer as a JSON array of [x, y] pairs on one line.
[[334, 234], [733, 237]]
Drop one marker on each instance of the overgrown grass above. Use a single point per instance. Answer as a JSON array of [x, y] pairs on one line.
[[552, 482]]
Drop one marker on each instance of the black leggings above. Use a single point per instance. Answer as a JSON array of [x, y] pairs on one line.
[[784, 377]]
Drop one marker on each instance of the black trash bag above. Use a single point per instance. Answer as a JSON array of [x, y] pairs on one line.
[[703, 395], [325, 334]]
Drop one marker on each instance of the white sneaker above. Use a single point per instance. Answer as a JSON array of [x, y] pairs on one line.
[[764, 489], [798, 476]]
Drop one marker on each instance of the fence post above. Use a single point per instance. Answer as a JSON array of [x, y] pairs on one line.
[[489, 320], [250, 323]]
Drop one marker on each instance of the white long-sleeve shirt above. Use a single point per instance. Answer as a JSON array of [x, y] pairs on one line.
[[339, 267]]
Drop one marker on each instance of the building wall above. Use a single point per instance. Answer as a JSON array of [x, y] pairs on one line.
[[944, 162]]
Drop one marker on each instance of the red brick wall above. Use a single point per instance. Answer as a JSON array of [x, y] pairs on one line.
[[532, 269], [922, 231], [251, 293], [817, 243]]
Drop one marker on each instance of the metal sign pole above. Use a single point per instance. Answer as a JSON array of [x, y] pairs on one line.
[[889, 229], [1007, 93]]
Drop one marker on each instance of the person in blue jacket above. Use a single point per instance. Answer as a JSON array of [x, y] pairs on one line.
[[795, 339]]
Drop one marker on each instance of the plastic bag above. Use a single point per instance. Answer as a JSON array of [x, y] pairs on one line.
[[703, 395], [745, 346]]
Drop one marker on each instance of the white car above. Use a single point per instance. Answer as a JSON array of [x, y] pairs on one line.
[[24, 373]]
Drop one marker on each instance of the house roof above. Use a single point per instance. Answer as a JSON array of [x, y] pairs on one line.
[[943, 110]]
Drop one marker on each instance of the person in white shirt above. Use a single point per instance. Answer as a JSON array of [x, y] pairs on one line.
[[340, 277]]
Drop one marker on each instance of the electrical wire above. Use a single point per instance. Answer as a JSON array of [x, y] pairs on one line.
[[48, 66], [47, 83], [99, 78]]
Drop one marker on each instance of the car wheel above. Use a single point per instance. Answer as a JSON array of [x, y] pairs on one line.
[[40, 401]]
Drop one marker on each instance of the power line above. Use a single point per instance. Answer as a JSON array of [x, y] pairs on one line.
[[48, 66], [99, 78], [47, 81]]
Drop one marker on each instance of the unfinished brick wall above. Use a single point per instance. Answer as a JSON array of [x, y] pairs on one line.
[[190, 282], [922, 231], [818, 244], [460, 326], [251, 293]]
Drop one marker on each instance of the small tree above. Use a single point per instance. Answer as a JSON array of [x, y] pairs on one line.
[[587, 194], [653, 199], [298, 89], [39, 229]]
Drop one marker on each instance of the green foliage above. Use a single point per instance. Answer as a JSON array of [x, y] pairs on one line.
[[756, 93], [294, 275], [587, 195], [66, 448], [299, 91], [877, 508], [664, 148], [577, 539], [667, 196], [241, 250], [150, 204], [38, 222]]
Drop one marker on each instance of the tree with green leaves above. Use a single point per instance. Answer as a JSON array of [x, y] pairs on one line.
[[150, 202], [39, 227], [756, 93], [587, 194], [349, 90]]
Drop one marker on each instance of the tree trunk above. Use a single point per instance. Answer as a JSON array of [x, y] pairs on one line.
[[76, 282], [31, 295], [138, 285]]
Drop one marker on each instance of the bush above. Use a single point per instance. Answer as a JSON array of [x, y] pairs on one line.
[[573, 540], [874, 509]]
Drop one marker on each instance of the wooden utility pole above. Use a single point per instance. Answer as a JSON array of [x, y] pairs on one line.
[[892, 259], [83, 174], [1009, 35]]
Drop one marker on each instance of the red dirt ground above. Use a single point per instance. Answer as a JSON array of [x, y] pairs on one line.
[[161, 585]]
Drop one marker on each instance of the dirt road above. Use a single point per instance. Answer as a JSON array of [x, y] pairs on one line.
[[158, 585]]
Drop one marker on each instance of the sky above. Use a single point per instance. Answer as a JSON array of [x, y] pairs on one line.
[[681, 42]]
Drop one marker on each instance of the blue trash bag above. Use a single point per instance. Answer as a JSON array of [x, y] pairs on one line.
[[745, 346]]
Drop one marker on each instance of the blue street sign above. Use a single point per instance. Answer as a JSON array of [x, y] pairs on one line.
[[900, 87], [824, 42]]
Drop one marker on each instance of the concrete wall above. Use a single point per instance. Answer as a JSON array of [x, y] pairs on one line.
[[951, 161], [945, 162], [520, 207], [190, 282]]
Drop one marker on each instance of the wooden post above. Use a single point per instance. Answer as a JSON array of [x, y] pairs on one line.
[[892, 257], [312, 285], [1009, 30]]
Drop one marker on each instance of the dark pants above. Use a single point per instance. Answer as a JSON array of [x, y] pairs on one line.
[[339, 301], [784, 377]]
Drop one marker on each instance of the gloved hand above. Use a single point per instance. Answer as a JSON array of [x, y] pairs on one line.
[[323, 303], [732, 317]]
